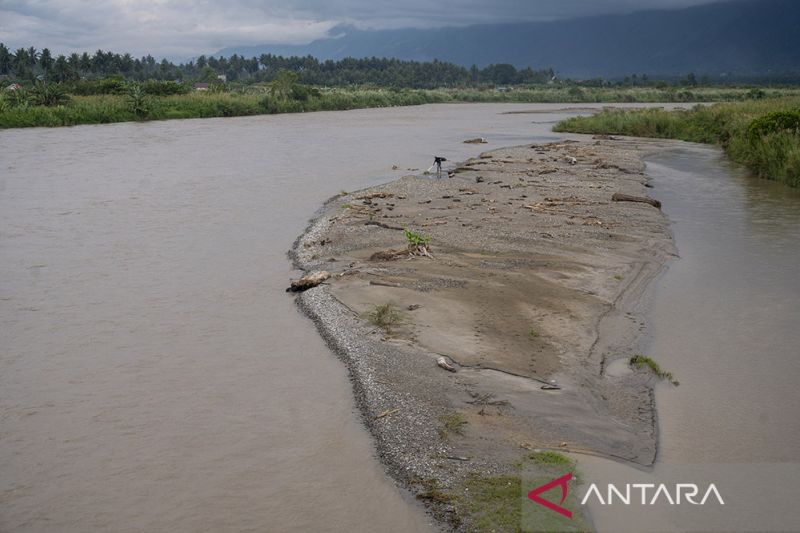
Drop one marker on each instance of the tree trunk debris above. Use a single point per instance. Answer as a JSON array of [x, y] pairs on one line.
[[308, 281], [620, 197]]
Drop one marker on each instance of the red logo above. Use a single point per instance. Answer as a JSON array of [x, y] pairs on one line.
[[562, 481]]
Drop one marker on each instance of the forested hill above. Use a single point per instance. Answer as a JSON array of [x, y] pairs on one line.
[[744, 38]]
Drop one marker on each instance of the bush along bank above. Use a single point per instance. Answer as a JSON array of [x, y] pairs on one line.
[[763, 135]]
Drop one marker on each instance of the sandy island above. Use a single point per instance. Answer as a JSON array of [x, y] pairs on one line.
[[534, 278]]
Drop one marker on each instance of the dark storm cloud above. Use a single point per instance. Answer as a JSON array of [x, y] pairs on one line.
[[189, 27]]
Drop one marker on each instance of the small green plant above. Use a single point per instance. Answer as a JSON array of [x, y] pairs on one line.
[[452, 424], [384, 316], [643, 361], [533, 333], [619, 277], [416, 239], [137, 100], [347, 206]]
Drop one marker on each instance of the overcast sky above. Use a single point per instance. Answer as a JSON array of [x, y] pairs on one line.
[[185, 28]]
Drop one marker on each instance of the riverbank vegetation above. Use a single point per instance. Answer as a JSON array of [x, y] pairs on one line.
[[762, 134], [116, 100], [40, 89]]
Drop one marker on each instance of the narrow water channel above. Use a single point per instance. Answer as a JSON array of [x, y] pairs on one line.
[[724, 320]]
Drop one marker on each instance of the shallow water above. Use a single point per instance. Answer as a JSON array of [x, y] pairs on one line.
[[153, 374], [725, 316], [724, 320]]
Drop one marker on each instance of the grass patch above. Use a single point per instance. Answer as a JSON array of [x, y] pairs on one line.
[[500, 503], [643, 361], [493, 503], [533, 333], [763, 135], [550, 458], [384, 316], [452, 424]]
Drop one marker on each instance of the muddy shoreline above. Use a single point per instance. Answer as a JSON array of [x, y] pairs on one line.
[[535, 278]]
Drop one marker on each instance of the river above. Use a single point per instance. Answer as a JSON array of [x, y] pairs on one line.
[[154, 376]]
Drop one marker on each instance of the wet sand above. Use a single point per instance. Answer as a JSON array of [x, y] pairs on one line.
[[534, 276]]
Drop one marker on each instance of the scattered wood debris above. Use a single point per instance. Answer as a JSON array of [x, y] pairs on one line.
[[372, 195], [308, 281], [620, 197]]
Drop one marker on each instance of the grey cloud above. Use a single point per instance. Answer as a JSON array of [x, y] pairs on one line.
[[187, 28]]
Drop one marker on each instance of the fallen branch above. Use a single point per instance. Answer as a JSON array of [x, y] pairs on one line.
[[387, 413], [308, 281], [620, 197]]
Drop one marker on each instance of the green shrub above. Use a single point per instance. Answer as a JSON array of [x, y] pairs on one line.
[[164, 88], [48, 95], [384, 316], [777, 121]]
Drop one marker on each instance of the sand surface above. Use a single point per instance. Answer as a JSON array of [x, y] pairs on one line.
[[534, 277]]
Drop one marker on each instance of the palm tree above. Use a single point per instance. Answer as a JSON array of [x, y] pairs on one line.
[[46, 61], [5, 59], [21, 63], [33, 57]]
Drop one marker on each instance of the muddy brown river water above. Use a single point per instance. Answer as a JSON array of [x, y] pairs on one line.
[[155, 377], [153, 374]]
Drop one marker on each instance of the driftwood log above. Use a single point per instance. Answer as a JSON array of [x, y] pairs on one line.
[[444, 363], [620, 197], [308, 281]]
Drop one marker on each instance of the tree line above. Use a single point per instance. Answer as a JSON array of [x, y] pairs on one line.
[[30, 64]]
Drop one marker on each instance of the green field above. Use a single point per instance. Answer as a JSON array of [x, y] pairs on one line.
[[54, 105], [762, 134]]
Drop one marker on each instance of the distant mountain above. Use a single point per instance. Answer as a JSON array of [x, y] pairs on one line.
[[743, 38]]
